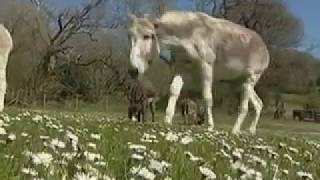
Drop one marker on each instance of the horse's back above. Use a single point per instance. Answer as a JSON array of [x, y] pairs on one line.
[[5, 39], [237, 49]]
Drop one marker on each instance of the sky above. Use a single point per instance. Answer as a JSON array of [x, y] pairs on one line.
[[307, 11]]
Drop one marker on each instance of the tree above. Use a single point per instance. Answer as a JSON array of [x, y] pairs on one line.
[[65, 25], [269, 18]]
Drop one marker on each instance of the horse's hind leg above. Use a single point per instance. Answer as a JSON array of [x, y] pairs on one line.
[[175, 90], [3, 79], [258, 105], [3, 88], [243, 110], [152, 110]]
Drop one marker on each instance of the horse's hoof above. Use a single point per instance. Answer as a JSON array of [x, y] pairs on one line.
[[210, 128], [167, 122], [236, 132], [253, 131]]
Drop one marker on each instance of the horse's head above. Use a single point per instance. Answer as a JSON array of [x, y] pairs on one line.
[[144, 44]]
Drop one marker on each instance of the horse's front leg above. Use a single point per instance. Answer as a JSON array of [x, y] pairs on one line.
[[3, 87], [175, 89], [207, 77]]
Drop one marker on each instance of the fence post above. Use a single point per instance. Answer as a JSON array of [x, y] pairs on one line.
[[77, 102], [44, 100], [106, 103]]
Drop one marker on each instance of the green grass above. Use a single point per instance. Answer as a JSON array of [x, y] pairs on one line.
[[117, 133]]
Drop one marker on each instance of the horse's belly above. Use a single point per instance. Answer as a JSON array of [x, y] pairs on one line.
[[229, 70]]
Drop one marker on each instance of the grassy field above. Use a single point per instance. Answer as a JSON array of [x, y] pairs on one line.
[[37, 144]]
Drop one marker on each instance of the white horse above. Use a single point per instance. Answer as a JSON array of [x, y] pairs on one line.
[[5, 49], [236, 53]]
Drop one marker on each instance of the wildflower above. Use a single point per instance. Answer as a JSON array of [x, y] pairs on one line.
[[92, 156], [145, 173], [23, 134], [162, 134], [134, 170], [9, 156], [92, 145], [235, 166], [193, 158], [2, 131], [12, 137], [100, 163], [282, 145], [68, 155], [37, 118], [42, 158], [149, 138], [186, 140], [44, 137], [207, 172], [308, 155], [237, 154], [154, 154], [5, 117], [257, 160], [56, 143], [160, 167], [137, 147], [72, 136], [293, 150], [285, 171], [83, 176], [287, 156], [305, 175], [95, 136], [73, 139], [29, 171], [137, 157], [226, 145], [105, 177], [171, 137]]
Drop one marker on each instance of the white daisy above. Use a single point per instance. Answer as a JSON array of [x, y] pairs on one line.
[[186, 140], [42, 159], [96, 136], [305, 175], [172, 137], [138, 147], [2, 131], [146, 174], [83, 176], [29, 171], [160, 167], [92, 156], [57, 143], [37, 118], [12, 137], [209, 174], [137, 157]]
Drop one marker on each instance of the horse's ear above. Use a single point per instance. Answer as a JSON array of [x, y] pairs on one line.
[[132, 17], [156, 23]]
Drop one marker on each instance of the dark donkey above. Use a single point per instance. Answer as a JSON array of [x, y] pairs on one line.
[[140, 98]]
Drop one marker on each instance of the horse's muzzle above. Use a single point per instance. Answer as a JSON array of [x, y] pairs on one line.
[[133, 72]]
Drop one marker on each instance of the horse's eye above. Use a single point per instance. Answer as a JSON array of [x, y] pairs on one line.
[[146, 37]]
